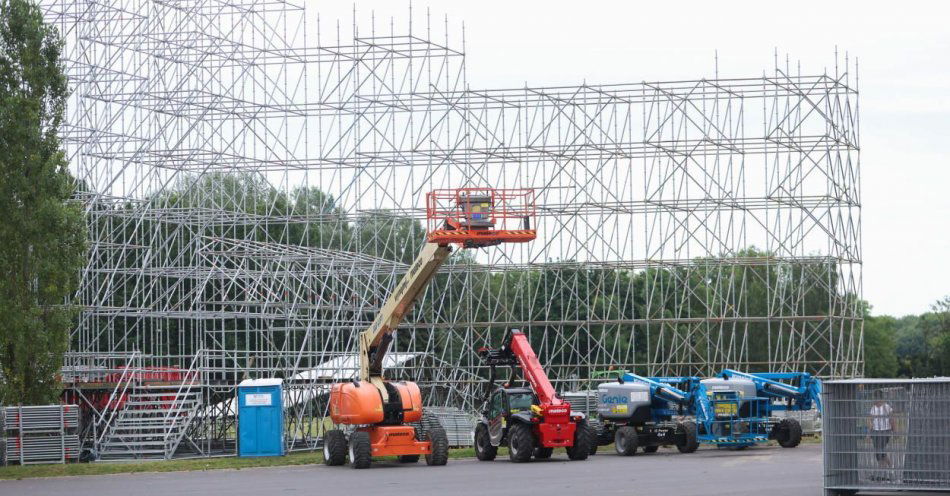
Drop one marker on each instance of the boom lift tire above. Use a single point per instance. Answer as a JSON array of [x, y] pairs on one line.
[[788, 433], [408, 458], [625, 441], [583, 439], [440, 446], [334, 448], [686, 439], [520, 443], [593, 446], [484, 451], [543, 453], [361, 451]]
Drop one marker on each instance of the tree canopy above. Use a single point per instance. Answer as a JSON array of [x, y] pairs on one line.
[[43, 232]]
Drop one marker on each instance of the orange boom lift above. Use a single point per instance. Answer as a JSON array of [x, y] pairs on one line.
[[380, 409]]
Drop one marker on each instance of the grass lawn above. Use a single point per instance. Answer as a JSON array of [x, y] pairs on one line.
[[231, 462]]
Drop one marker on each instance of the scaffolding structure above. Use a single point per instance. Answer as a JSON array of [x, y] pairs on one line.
[[254, 188]]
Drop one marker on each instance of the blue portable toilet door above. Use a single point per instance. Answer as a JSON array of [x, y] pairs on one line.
[[260, 422]]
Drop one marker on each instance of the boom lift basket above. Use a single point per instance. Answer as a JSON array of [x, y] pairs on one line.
[[477, 217]]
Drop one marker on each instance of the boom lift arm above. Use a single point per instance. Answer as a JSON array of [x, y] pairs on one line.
[[516, 350], [374, 341], [383, 411], [799, 397]]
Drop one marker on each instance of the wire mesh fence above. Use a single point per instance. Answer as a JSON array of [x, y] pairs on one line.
[[886, 434]]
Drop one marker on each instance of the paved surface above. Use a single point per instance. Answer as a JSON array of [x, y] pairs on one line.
[[755, 471]]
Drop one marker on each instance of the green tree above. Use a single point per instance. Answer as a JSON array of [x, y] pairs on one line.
[[923, 342], [42, 232], [880, 355]]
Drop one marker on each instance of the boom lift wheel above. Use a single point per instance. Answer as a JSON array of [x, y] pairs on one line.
[[440, 446], [361, 451], [520, 443], [543, 453], [484, 451], [686, 439], [788, 433], [625, 441], [334, 448], [583, 439]]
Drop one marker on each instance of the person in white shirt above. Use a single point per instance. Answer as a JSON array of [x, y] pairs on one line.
[[881, 426]]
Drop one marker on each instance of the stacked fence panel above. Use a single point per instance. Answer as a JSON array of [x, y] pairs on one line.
[[459, 425], [886, 435], [40, 434]]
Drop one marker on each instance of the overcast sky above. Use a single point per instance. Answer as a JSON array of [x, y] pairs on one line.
[[904, 54]]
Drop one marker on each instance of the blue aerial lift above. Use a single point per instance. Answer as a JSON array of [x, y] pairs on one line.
[[732, 410], [744, 406]]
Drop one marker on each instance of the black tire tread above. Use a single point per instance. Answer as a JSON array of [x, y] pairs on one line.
[[362, 449], [335, 443], [629, 434], [440, 446], [521, 437], [794, 433], [583, 439], [691, 442], [543, 453], [490, 452]]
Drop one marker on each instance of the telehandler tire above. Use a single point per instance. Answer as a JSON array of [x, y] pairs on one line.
[[484, 450], [520, 442], [543, 453], [583, 439]]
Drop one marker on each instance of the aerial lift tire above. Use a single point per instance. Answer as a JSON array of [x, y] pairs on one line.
[[686, 438], [520, 443], [334, 448], [788, 433], [361, 451], [484, 451], [625, 441], [583, 439], [543, 453], [440, 446]]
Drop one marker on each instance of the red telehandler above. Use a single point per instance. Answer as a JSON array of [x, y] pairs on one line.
[[532, 421], [379, 412]]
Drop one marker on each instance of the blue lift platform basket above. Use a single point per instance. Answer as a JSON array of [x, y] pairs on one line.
[[260, 418]]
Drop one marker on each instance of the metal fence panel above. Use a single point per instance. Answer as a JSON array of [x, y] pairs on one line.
[[39, 434], [887, 434]]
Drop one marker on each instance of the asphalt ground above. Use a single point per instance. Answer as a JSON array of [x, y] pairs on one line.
[[759, 470]]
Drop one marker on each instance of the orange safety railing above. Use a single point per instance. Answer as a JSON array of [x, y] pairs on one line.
[[476, 217]]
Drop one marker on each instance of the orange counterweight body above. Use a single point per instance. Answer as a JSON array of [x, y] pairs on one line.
[[360, 403]]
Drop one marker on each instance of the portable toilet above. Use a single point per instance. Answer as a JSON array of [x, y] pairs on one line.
[[260, 417]]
